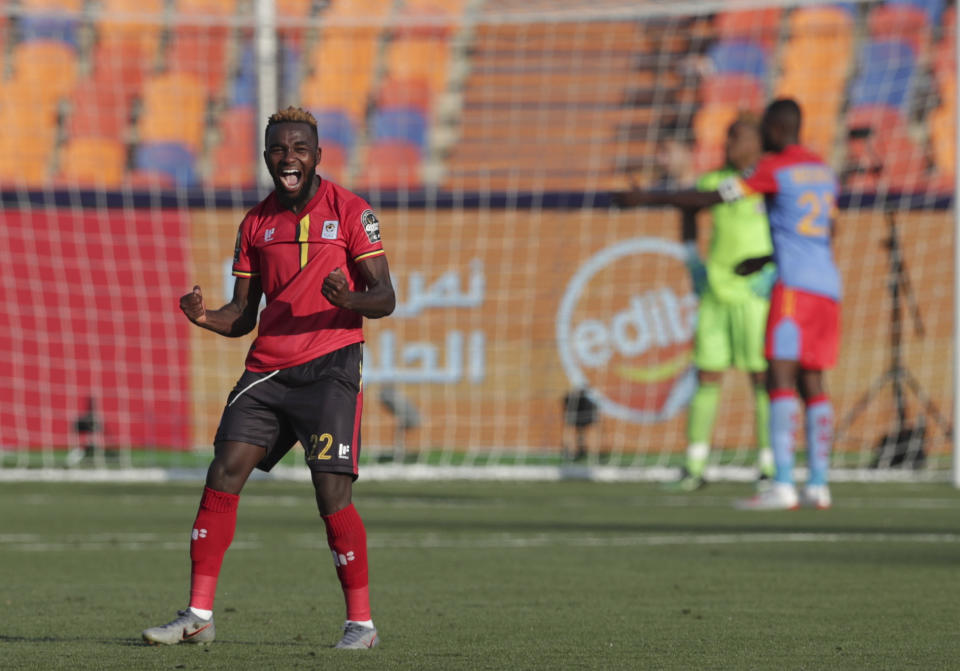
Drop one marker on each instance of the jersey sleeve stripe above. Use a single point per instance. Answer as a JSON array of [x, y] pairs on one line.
[[376, 252], [244, 273]]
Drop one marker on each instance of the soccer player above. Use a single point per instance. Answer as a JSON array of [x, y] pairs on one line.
[[803, 324], [313, 248], [732, 314]]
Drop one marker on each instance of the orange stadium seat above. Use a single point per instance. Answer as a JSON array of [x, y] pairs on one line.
[[333, 162], [291, 19], [234, 161], [419, 57], [145, 30], [174, 110], [392, 165], [206, 8], [29, 120], [943, 139], [761, 26], [123, 66], [343, 69], [98, 111], [93, 162], [903, 22], [53, 63], [888, 156], [820, 22], [201, 52], [413, 92], [732, 88]]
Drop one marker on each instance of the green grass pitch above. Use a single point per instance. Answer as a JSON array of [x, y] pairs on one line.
[[473, 575]]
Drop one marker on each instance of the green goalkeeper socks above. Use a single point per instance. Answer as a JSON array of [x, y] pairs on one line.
[[700, 419], [761, 415]]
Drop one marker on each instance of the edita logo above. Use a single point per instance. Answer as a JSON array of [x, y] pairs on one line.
[[625, 330]]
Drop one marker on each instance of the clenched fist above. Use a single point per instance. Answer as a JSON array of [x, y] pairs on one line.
[[192, 306], [336, 288]]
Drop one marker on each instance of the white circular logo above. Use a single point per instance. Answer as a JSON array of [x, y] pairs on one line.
[[625, 334]]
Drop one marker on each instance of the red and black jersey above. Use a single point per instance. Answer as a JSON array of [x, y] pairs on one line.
[[292, 253]]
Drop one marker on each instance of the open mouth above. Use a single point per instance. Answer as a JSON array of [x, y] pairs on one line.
[[291, 179]]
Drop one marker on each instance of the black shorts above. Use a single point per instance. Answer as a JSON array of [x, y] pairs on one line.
[[317, 403]]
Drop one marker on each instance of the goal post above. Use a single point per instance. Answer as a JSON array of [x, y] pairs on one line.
[[540, 331]]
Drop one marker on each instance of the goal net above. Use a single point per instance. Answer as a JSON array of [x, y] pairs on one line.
[[537, 327]]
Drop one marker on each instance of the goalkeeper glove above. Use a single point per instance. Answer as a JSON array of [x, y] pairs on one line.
[[698, 271], [762, 281]]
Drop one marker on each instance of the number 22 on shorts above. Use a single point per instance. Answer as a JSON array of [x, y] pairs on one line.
[[320, 447]]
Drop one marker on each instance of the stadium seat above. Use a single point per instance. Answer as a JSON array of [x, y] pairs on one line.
[[744, 91], [943, 140], [342, 68], [234, 160], [53, 63], [742, 57], [174, 110], [29, 119], [392, 164], [933, 8], [98, 110], [333, 162], [202, 52], [145, 30], [880, 151], [413, 92], [824, 22], [758, 26], [291, 20], [122, 66], [243, 89], [335, 126], [419, 57], [93, 162], [149, 179], [886, 74], [902, 22], [49, 27], [170, 158], [400, 123]]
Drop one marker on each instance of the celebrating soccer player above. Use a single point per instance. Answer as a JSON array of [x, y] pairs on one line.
[[313, 248], [733, 309], [803, 323]]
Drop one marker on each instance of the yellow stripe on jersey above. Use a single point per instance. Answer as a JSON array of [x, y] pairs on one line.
[[303, 237], [368, 255], [244, 273]]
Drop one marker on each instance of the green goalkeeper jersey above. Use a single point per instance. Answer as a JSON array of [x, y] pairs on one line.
[[740, 231]]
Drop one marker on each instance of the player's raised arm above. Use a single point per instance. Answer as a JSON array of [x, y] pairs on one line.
[[236, 318], [377, 301]]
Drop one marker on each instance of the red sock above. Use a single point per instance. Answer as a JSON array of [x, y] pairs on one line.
[[348, 541], [212, 534]]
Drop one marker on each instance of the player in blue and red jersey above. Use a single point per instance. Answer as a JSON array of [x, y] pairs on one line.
[[313, 249], [803, 324]]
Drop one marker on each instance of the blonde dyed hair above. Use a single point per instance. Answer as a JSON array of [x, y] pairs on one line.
[[292, 115]]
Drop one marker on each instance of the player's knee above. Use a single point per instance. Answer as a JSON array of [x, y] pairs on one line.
[[334, 492]]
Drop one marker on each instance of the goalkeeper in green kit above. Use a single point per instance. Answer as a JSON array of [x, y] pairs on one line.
[[732, 316]]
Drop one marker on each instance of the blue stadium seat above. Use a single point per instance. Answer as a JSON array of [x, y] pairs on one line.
[[886, 74], [290, 70], [243, 89], [48, 27], [743, 57], [933, 8], [171, 158], [334, 125], [401, 123]]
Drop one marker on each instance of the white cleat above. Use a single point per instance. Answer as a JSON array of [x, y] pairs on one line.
[[780, 496], [816, 496]]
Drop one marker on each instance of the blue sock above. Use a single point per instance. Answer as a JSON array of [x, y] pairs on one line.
[[783, 427], [819, 438]]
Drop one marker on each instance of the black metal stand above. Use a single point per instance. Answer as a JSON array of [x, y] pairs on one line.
[[904, 445]]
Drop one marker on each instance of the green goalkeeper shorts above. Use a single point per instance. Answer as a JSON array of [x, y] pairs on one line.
[[730, 334]]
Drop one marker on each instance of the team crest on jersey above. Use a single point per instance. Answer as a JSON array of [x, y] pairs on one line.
[[370, 225], [330, 228]]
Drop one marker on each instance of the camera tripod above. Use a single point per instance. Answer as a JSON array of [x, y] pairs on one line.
[[904, 444]]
